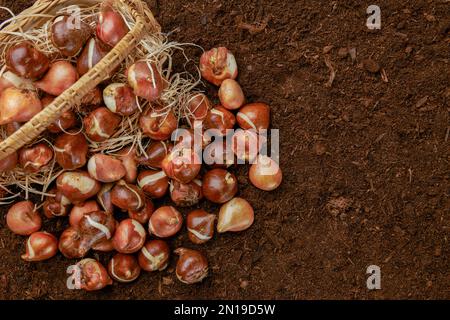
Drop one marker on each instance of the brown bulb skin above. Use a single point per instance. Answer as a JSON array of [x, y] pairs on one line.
[[124, 268], [67, 36], [144, 214], [186, 195], [23, 219], [71, 150], [156, 152], [129, 236], [57, 206], [192, 266], [154, 183], [254, 116], [220, 120], [219, 185], [77, 186], [165, 222], [101, 124], [26, 61], [93, 275], [40, 246], [158, 126], [154, 256], [127, 196], [33, 159], [97, 226], [92, 53], [72, 244], [200, 226]]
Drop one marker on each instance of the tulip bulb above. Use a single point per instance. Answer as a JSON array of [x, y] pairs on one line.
[[124, 268], [146, 80], [154, 255], [33, 159], [69, 35], [40, 246], [61, 76], [235, 215], [18, 105], [71, 150], [23, 219], [192, 266], [26, 61], [93, 276], [218, 64]]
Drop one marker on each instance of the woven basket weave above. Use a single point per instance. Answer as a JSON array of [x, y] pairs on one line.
[[145, 23]]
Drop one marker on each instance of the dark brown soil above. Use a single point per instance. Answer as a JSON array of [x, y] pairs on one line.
[[366, 162]]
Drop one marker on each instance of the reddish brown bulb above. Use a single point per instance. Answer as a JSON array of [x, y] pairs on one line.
[[231, 95], [105, 168], [26, 61], [60, 77], [10, 162], [220, 120], [124, 268], [146, 80], [111, 27], [104, 245], [198, 106], [219, 185], [265, 174], [156, 125], [186, 195], [217, 65], [192, 266], [97, 226], [154, 255], [254, 116], [93, 276], [120, 99], [182, 164], [155, 154], [129, 236], [77, 186], [165, 222], [12, 127], [101, 124], [23, 219], [128, 158], [235, 215], [246, 144], [94, 97], [57, 205], [200, 226], [92, 53], [127, 196], [153, 183], [72, 244], [104, 197], [79, 211], [144, 214], [33, 159], [40, 246], [71, 150], [18, 105], [67, 120], [69, 35]]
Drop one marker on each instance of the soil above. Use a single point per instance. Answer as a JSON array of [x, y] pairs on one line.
[[365, 161]]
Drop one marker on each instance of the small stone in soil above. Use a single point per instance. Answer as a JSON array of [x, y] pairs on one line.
[[244, 284], [371, 65], [343, 52], [319, 148]]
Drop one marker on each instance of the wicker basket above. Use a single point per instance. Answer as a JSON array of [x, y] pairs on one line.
[[145, 22]]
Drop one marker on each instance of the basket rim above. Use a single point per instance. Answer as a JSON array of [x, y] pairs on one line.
[[72, 96]]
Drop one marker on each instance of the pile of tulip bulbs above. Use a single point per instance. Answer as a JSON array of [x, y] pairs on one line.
[[108, 197]]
